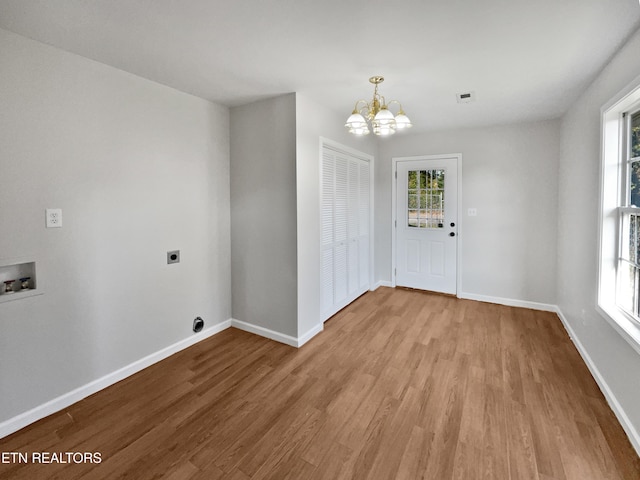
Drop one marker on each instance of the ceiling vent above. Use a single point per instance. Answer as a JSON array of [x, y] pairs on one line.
[[466, 97]]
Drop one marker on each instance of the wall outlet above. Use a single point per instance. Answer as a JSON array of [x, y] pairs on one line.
[[53, 217], [472, 212]]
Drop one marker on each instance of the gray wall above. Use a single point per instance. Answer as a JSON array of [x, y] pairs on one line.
[[263, 214], [137, 169], [509, 173], [314, 120], [614, 360]]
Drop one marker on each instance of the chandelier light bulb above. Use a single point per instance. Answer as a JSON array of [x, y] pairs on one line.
[[402, 121], [384, 123], [357, 124]]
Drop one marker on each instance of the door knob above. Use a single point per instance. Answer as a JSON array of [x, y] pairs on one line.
[[452, 234], [452, 224]]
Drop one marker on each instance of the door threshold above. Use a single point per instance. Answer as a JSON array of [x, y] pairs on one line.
[[430, 292]]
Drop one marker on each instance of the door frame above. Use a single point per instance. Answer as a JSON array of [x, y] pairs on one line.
[[394, 213]]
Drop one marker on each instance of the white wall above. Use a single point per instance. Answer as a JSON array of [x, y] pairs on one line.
[[612, 359], [509, 174], [313, 121], [263, 214], [137, 169]]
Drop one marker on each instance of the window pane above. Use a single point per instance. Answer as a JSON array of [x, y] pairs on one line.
[[634, 184], [630, 244], [635, 135], [634, 167], [633, 221], [412, 181], [413, 218], [636, 240]]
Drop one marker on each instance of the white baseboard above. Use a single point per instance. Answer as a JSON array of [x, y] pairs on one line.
[[20, 421], [381, 283], [277, 336], [510, 302], [310, 334], [63, 401], [264, 332], [632, 433]]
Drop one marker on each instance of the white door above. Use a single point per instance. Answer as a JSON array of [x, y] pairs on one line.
[[426, 223]]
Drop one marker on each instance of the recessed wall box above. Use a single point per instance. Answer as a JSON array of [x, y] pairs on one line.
[[18, 279]]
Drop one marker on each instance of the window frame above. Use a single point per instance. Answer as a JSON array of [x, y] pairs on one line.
[[614, 200]]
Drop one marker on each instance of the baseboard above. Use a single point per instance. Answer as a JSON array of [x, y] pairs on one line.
[[310, 334], [510, 302], [20, 421], [277, 336], [381, 283], [632, 433]]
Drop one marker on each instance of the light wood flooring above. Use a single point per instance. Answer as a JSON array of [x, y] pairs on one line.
[[400, 385]]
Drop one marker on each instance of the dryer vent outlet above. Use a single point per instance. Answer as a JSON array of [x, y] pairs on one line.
[[198, 324]]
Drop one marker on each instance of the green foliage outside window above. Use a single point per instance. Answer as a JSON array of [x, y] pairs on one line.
[[635, 165]]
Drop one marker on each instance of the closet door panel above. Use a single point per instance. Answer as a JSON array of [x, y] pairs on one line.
[[340, 273], [363, 265], [327, 283], [327, 207], [341, 200]]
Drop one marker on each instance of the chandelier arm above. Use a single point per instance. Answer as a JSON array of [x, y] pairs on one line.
[[399, 105], [359, 110]]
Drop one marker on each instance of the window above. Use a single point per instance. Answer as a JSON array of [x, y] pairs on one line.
[[628, 282], [425, 204], [619, 262]]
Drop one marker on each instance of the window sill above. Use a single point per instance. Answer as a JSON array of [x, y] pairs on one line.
[[623, 324]]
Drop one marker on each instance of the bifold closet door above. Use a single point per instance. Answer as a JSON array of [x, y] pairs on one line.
[[345, 236]]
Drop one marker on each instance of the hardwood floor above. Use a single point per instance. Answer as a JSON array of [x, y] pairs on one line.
[[401, 384]]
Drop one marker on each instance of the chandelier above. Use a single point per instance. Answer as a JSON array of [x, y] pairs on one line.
[[377, 112]]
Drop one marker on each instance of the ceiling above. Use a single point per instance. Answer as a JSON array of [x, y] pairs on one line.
[[525, 60]]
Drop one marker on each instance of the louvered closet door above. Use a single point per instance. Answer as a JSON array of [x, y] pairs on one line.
[[327, 229], [353, 249], [340, 228], [364, 212], [345, 229]]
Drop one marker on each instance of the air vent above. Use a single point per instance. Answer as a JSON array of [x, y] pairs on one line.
[[466, 97]]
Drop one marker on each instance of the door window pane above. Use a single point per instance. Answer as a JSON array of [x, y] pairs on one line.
[[425, 203]]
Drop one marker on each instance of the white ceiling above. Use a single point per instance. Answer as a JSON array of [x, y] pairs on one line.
[[526, 60]]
